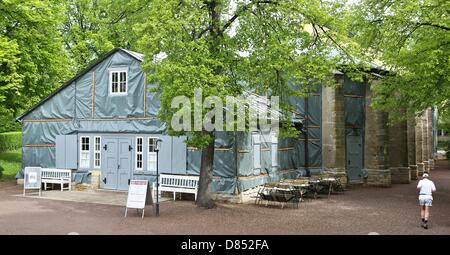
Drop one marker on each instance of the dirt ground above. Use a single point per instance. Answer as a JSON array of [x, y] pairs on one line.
[[360, 210]]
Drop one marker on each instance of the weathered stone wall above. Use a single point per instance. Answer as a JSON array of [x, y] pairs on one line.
[[430, 138], [333, 132], [379, 177], [412, 148], [419, 142], [95, 179], [425, 142], [375, 145], [398, 153]]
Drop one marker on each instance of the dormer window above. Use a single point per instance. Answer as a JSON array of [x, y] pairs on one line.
[[118, 81]]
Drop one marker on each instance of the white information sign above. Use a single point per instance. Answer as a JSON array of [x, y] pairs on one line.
[[32, 179], [138, 195]]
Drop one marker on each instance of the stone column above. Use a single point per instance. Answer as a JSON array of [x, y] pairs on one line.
[[398, 153], [430, 138], [426, 167], [333, 132], [375, 144], [419, 141], [412, 148]]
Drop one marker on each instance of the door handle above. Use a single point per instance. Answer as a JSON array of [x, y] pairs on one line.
[[105, 147], [348, 162], [118, 167], [128, 182], [104, 180], [130, 148]]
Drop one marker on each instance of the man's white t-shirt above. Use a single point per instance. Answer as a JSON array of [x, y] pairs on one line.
[[426, 189]]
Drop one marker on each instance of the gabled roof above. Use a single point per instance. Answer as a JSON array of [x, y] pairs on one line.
[[138, 56]]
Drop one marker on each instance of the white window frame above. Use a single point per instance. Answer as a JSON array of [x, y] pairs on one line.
[[151, 156], [118, 70], [139, 153], [88, 152], [256, 142], [274, 151], [99, 152]]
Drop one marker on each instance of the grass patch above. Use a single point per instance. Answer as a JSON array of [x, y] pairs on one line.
[[11, 162]]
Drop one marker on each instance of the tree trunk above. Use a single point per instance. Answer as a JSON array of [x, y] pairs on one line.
[[206, 166], [206, 171]]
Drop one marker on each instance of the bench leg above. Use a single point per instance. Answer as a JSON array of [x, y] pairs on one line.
[[62, 186], [174, 196]]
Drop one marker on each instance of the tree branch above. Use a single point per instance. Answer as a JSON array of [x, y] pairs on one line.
[[243, 9], [334, 41], [433, 25]]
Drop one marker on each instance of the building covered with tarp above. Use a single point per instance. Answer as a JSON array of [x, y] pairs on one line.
[[102, 124]]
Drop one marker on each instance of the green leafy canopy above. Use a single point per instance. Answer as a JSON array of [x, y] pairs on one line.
[[412, 40], [227, 47]]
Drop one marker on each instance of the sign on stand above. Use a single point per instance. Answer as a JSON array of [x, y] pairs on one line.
[[32, 179], [138, 196]]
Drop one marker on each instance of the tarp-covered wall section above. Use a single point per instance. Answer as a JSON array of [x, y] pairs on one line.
[[84, 106], [354, 114]]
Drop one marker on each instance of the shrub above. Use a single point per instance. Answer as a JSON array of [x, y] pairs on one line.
[[8, 122], [10, 141], [443, 145], [1, 171]]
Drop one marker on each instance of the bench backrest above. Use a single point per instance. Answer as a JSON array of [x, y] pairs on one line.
[[181, 181], [51, 173]]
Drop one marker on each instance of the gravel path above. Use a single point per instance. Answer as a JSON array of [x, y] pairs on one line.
[[360, 210]]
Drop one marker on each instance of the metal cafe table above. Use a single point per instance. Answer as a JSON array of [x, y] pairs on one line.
[[278, 193]]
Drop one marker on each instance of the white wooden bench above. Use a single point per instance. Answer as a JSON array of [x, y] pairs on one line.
[[58, 176], [177, 183]]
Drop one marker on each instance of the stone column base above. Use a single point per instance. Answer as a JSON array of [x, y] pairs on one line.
[[420, 169], [426, 166], [431, 164], [400, 175], [414, 172], [379, 177]]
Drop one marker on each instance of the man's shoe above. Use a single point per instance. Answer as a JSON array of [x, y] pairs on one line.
[[425, 226]]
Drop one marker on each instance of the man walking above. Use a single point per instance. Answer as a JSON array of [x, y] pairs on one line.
[[426, 188]]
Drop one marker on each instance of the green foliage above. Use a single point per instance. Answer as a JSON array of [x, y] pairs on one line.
[[443, 145], [92, 28], [411, 38], [10, 141], [11, 162], [8, 122], [43, 43], [444, 118], [1, 171], [226, 49], [32, 58]]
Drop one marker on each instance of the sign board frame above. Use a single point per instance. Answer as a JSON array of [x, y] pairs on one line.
[[32, 179], [139, 195]]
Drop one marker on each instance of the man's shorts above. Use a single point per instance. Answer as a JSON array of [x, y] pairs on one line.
[[425, 201]]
